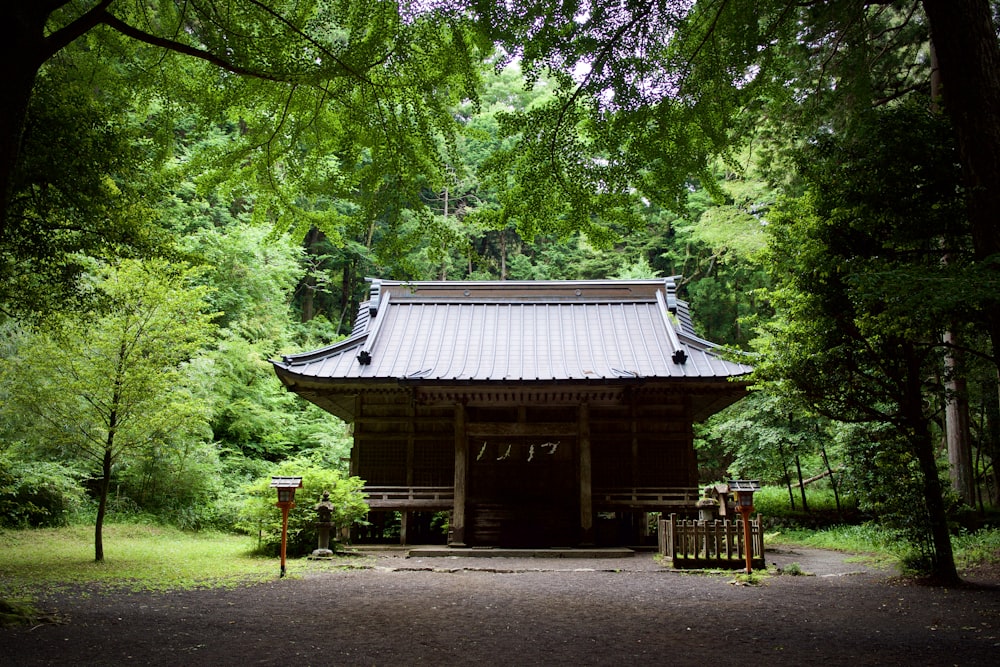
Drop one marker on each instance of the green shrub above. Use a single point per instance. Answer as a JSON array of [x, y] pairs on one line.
[[177, 484], [260, 516], [977, 547], [38, 493], [793, 569]]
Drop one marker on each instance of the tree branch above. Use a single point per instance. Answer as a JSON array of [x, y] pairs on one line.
[[117, 24], [61, 38], [281, 19], [708, 34], [601, 59]]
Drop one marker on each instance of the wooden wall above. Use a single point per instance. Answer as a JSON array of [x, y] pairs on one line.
[[400, 443], [529, 467]]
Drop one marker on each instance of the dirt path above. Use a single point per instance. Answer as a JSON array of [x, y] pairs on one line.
[[476, 611]]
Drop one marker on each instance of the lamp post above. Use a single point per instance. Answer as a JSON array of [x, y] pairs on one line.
[[286, 500], [744, 489]]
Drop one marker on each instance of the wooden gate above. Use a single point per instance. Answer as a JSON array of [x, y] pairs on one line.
[[710, 544]]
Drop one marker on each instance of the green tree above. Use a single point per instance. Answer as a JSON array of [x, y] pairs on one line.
[[648, 91], [106, 387], [861, 294], [766, 437], [86, 185], [331, 98]]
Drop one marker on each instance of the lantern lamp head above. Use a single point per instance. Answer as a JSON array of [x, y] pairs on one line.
[[286, 487], [744, 489]]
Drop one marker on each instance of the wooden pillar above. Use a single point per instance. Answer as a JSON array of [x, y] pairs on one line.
[[356, 428], [404, 515], [353, 531], [461, 478], [692, 456], [586, 496], [633, 425], [634, 515]]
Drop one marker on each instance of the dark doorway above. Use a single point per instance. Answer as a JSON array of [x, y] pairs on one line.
[[523, 492]]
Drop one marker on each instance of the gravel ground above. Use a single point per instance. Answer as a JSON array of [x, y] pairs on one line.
[[530, 611]]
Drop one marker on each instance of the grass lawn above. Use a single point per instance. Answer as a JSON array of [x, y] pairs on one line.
[[159, 558], [880, 546], [136, 557]]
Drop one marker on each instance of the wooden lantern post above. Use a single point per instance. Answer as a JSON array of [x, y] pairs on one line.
[[286, 500], [744, 489]]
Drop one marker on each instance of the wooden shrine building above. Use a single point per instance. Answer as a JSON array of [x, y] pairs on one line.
[[538, 414]]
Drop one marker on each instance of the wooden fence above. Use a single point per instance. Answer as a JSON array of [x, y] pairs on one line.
[[710, 544]]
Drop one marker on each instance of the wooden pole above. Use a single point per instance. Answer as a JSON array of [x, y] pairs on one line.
[[747, 544], [284, 534]]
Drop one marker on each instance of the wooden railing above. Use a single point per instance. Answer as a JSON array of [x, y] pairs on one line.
[[443, 497], [410, 497], [710, 544], [651, 498]]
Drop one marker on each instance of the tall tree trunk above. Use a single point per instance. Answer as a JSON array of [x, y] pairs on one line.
[[958, 437], [109, 448], [991, 418], [944, 557], [802, 486], [444, 254], [308, 283], [503, 254], [923, 448], [347, 309], [21, 32], [788, 478], [968, 55], [957, 432], [102, 503]]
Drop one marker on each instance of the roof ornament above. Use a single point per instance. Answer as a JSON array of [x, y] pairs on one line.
[[667, 301], [671, 285], [377, 299], [374, 297]]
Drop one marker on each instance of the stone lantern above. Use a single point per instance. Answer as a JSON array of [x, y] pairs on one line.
[[707, 508], [324, 514]]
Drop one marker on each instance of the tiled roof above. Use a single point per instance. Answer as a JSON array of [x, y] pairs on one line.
[[513, 331]]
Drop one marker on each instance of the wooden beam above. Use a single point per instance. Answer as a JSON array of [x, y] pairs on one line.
[[554, 429]]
